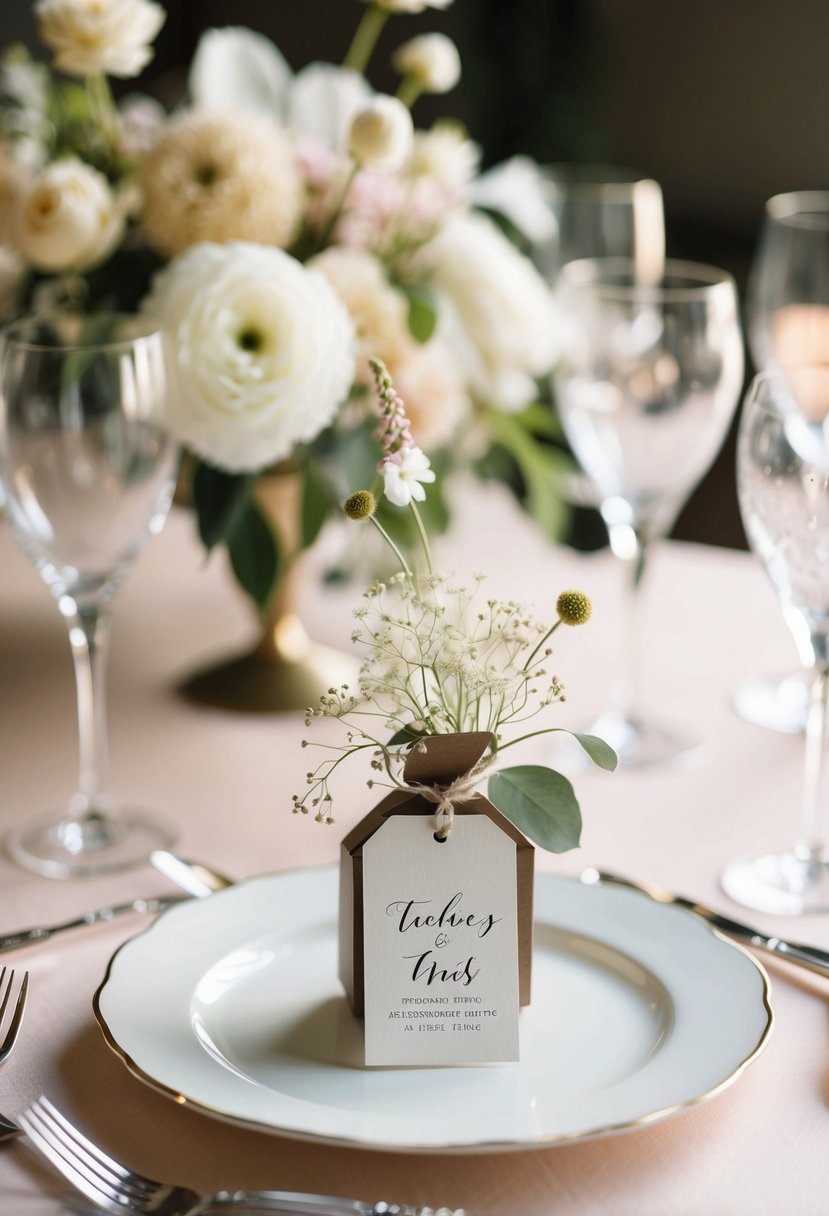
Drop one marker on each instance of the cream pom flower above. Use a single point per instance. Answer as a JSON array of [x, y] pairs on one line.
[[260, 352], [436, 400], [445, 156], [432, 60], [67, 217], [94, 36], [220, 177], [379, 312], [381, 134], [497, 314]]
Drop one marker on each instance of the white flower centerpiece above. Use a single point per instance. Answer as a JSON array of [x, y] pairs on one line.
[[283, 227]]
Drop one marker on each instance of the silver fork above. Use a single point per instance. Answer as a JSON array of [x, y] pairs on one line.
[[115, 1188], [12, 999], [12, 1003]]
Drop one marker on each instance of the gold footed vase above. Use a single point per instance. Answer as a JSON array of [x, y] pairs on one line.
[[286, 670]]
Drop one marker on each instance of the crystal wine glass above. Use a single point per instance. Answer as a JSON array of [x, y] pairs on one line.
[[602, 211], [647, 385], [783, 487], [88, 471], [787, 311]]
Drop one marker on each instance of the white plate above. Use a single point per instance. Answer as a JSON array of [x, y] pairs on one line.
[[232, 1003]]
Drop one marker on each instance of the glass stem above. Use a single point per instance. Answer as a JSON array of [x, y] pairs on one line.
[[812, 843], [630, 546], [89, 638]]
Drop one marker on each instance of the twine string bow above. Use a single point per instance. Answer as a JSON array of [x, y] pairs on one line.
[[445, 797]]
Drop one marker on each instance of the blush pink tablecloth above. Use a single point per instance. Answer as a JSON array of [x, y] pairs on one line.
[[224, 782]]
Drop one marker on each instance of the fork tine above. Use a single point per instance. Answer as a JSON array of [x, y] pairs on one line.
[[43, 1143], [13, 1030], [95, 1156], [101, 1171]]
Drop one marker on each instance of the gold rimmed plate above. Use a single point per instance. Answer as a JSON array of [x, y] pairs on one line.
[[232, 1004]]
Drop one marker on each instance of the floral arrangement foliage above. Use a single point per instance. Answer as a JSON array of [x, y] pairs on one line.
[[283, 227], [442, 657]]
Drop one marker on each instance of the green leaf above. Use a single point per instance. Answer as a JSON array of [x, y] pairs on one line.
[[541, 803], [541, 466], [316, 503], [423, 316], [221, 500], [540, 419], [254, 554], [406, 734], [600, 753]]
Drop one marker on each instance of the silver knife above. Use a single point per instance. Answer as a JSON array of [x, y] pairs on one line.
[[812, 957], [193, 877], [42, 933]]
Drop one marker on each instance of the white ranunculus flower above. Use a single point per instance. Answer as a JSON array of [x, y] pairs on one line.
[[261, 352], [322, 101], [515, 189], [381, 134], [94, 36], [67, 217], [497, 314], [237, 69], [432, 59], [378, 310]]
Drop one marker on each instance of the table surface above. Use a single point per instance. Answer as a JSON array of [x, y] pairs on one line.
[[224, 782]]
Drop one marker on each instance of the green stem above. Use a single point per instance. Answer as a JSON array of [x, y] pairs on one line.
[[404, 564], [547, 635], [424, 539], [547, 730], [102, 104], [409, 90], [336, 210], [365, 38]]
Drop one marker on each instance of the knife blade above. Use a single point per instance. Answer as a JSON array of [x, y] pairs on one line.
[[811, 957], [42, 933]]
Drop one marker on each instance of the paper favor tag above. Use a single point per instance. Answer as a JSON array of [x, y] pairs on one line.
[[441, 943]]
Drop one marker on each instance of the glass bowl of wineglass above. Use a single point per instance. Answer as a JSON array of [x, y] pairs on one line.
[[787, 323], [647, 384], [88, 472], [783, 488]]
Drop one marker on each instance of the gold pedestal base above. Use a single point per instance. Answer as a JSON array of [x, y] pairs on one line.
[[286, 671]]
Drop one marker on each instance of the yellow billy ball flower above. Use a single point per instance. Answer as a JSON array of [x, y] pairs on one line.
[[360, 505], [574, 607]]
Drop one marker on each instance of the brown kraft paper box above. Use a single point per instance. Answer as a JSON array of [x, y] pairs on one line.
[[446, 758]]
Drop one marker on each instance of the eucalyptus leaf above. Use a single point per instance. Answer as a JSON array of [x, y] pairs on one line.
[[316, 503], [406, 734], [541, 467], [254, 555], [601, 753], [423, 316], [221, 501], [541, 803]]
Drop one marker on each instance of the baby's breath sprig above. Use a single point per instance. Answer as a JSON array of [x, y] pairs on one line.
[[442, 657]]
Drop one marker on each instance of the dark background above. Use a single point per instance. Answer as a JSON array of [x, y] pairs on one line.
[[724, 102]]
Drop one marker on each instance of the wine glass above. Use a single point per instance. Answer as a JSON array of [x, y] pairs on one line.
[[647, 384], [599, 211], [602, 211], [787, 311], [88, 472], [783, 487]]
